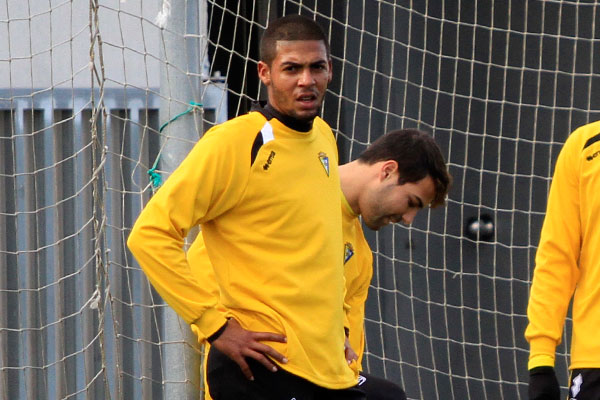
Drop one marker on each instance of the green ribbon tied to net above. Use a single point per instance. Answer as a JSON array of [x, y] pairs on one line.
[[155, 177]]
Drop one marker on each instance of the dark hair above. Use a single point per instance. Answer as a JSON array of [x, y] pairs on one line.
[[417, 155], [290, 27]]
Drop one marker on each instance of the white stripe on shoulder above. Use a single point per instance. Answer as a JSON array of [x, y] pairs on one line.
[[267, 132]]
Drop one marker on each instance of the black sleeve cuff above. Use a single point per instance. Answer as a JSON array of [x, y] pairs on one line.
[[218, 333], [541, 370]]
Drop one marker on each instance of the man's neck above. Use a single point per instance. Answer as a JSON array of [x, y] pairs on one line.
[[289, 121], [351, 183]]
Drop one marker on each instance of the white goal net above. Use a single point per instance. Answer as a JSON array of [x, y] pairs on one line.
[[100, 100]]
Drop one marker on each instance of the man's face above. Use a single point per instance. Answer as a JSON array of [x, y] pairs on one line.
[[389, 202], [297, 78]]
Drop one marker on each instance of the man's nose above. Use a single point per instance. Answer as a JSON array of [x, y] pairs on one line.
[[408, 217], [306, 77]]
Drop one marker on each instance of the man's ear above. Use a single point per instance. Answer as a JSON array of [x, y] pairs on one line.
[[264, 73], [388, 170]]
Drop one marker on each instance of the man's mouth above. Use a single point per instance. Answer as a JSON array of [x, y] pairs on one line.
[[307, 98]]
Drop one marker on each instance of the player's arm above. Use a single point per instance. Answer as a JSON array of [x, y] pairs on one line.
[[203, 272], [555, 275], [358, 276], [201, 188], [556, 272], [355, 299]]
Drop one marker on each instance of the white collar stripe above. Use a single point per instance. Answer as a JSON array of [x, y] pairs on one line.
[[267, 133]]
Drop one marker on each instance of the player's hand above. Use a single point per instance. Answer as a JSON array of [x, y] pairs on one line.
[[350, 354], [543, 384], [238, 343]]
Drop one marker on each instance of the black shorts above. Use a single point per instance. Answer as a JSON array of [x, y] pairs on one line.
[[377, 388], [584, 384], [227, 382]]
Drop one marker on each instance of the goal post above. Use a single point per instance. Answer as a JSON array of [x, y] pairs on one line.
[[100, 100]]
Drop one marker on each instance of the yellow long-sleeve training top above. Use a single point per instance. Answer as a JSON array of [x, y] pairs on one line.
[[568, 257], [272, 228], [358, 271]]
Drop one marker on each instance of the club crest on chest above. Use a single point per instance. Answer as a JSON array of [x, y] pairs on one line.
[[348, 251], [324, 161]]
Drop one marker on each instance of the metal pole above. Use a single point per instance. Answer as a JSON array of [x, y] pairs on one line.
[[178, 87]]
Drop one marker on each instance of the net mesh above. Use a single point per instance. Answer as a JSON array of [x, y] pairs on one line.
[[99, 100]]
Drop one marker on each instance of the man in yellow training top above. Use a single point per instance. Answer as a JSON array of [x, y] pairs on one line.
[[399, 174], [265, 188], [568, 266]]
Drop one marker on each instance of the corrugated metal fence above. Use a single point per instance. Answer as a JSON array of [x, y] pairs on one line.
[[77, 319]]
